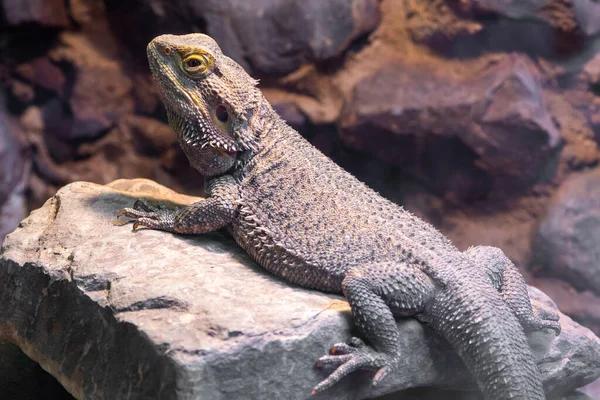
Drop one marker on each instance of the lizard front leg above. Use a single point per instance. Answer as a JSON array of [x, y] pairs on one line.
[[212, 213], [377, 293]]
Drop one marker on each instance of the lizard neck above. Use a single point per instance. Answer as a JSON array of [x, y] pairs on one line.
[[266, 123], [268, 128]]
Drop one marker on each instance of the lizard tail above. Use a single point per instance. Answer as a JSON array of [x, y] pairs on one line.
[[489, 339]]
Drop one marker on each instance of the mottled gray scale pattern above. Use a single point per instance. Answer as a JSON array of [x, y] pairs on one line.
[[470, 319], [290, 182], [305, 219]]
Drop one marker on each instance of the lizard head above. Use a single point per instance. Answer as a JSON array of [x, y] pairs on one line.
[[210, 99]]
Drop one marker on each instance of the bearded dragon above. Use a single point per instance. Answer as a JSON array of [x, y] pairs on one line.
[[306, 220]]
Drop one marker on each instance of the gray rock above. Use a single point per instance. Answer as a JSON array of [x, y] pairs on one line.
[[512, 8], [14, 173], [567, 244], [587, 13], [118, 314], [276, 37], [592, 390], [581, 14]]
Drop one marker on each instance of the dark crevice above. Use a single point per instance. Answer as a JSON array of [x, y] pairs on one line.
[[334, 64], [23, 379], [595, 88], [502, 35], [25, 42], [135, 23]]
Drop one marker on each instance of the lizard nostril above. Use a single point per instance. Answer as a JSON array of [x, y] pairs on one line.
[[167, 50], [222, 114]]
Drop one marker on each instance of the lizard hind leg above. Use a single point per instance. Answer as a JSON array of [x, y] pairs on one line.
[[376, 292], [507, 279]]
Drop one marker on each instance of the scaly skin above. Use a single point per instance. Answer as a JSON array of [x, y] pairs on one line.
[[308, 221]]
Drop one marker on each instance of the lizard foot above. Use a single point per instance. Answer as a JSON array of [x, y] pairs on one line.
[[542, 319], [145, 214], [350, 357]]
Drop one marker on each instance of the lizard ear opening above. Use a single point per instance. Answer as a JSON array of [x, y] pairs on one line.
[[222, 113]]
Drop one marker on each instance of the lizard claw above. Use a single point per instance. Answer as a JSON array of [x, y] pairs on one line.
[[380, 375], [541, 319], [544, 321], [144, 205], [350, 357], [347, 348], [147, 215]]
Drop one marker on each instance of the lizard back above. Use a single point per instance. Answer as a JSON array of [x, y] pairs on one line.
[[325, 217]]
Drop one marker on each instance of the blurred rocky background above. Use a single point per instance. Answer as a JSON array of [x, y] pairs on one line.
[[481, 116]]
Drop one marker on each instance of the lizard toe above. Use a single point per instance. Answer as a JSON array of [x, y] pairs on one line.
[[381, 374], [333, 360], [542, 319], [136, 214], [154, 223], [149, 216], [359, 358], [346, 348], [144, 205]]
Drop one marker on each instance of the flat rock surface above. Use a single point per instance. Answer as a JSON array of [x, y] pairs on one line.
[[117, 314]]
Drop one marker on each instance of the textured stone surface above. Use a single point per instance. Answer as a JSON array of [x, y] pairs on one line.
[[582, 306], [14, 172], [512, 8], [43, 12], [100, 92], [559, 14], [275, 36], [81, 89], [22, 379], [588, 15], [496, 116], [111, 312], [567, 245]]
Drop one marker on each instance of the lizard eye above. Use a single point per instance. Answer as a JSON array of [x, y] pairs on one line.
[[192, 64], [195, 64]]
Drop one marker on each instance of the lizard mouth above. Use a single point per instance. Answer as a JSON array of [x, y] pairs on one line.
[[228, 153]]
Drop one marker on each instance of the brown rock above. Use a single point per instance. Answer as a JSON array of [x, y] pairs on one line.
[[591, 70], [494, 120], [42, 12], [42, 72], [150, 137], [113, 313], [101, 92], [22, 91], [85, 11], [434, 20]]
